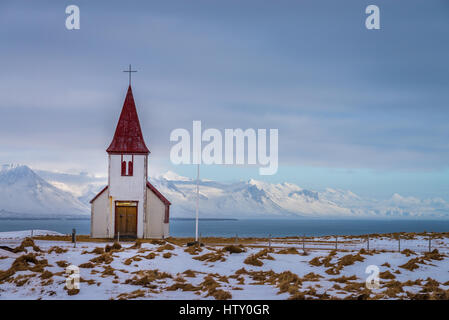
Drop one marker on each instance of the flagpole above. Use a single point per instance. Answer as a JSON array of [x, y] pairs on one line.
[[197, 201]]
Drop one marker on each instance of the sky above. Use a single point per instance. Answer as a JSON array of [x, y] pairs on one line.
[[364, 110]]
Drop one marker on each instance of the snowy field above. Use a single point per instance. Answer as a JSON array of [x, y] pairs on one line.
[[248, 269]]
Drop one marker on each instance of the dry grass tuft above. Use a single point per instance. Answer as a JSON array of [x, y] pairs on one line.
[[221, 294], [433, 255], [97, 250], [103, 258], [234, 249], [136, 245], [408, 252], [167, 255], [86, 265], [46, 275], [132, 295], [211, 257], [297, 296], [189, 273], [316, 262], [387, 275], [312, 277], [158, 242], [288, 282], [150, 256], [167, 246], [57, 250], [146, 278], [193, 250], [115, 247], [411, 265], [348, 260], [253, 261], [62, 263], [130, 260], [182, 286], [72, 292], [26, 243], [344, 279], [288, 251]]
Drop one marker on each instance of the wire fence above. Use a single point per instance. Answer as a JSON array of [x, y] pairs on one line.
[[419, 244]]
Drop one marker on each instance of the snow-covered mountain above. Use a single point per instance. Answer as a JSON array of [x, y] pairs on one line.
[[24, 193], [251, 199]]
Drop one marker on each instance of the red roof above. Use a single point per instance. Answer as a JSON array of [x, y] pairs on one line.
[[128, 136]]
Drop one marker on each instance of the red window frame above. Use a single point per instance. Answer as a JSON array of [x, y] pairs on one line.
[[130, 166]]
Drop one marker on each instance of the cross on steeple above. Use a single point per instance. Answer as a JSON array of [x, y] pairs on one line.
[[129, 71]]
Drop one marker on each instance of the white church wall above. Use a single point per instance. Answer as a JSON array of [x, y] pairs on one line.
[[129, 188], [100, 220], [155, 226]]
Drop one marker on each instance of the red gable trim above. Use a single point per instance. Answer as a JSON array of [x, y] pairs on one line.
[[128, 136], [158, 194], [104, 189]]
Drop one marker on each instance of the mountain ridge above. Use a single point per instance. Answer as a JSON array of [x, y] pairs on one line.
[[65, 195]]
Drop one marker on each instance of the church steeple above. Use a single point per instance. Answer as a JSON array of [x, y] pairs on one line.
[[128, 138]]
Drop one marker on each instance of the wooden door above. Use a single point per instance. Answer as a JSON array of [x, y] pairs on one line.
[[131, 221], [126, 221]]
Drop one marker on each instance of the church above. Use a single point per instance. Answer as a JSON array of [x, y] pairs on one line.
[[129, 206]]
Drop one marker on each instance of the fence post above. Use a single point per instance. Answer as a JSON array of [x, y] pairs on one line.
[[367, 242], [399, 242], [304, 243], [430, 243], [336, 242], [269, 241], [236, 238], [31, 233], [118, 236], [74, 237]]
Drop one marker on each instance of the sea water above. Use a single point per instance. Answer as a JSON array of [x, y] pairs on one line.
[[250, 227]]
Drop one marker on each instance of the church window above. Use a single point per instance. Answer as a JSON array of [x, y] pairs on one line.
[[130, 168], [127, 167], [123, 168]]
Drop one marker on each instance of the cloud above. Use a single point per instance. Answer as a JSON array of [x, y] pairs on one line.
[[340, 95]]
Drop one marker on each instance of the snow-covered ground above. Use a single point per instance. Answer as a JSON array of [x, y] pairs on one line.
[[276, 270]]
